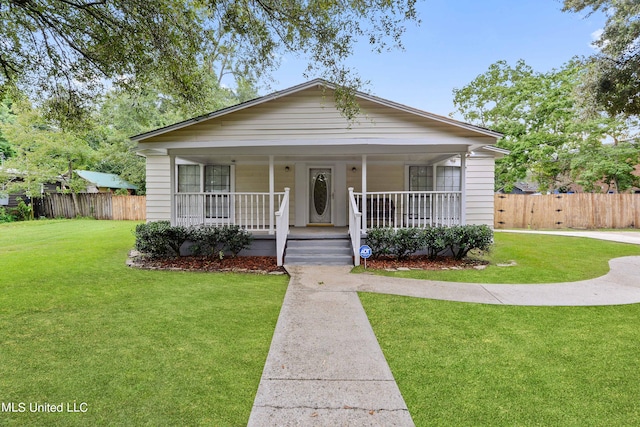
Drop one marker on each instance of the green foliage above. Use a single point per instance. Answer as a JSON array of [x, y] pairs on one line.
[[434, 240], [43, 151], [6, 216], [405, 242], [206, 240], [380, 240], [6, 150], [459, 239], [543, 121], [612, 83], [234, 239], [23, 212], [70, 50], [160, 239], [611, 165]]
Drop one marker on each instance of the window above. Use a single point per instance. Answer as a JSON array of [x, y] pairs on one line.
[[420, 178], [448, 178], [217, 179], [188, 178]]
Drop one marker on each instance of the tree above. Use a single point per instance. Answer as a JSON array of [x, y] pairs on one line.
[[613, 81], [538, 114], [121, 114], [6, 116], [43, 152], [609, 165], [70, 49]]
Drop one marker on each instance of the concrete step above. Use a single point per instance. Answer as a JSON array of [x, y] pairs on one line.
[[331, 244], [318, 260], [324, 251]]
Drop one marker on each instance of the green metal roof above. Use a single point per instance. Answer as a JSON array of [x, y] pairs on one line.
[[108, 180]]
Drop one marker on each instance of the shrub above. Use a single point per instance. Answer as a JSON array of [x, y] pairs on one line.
[[22, 212], [434, 241], [206, 240], [460, 239], [159, 238], [463, 238], [6, 216], [405, 242], [234, 239], [210, 240], [380, 240]]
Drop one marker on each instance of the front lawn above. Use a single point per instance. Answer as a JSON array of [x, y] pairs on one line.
[[537, 258], [137, 347], [463, 364]]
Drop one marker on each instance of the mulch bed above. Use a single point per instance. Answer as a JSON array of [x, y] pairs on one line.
[[267, 265], [422, 262], [245, 264]]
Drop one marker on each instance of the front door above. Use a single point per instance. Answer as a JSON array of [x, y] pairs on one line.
[[320, 191]]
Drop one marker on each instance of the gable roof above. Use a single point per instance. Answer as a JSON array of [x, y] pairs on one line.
[[305, 86], [107, 180]]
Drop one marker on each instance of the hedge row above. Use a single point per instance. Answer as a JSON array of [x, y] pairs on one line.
[[160, 239], [401, 243]]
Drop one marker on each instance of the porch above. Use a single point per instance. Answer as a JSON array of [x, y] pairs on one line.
[[255, 212]]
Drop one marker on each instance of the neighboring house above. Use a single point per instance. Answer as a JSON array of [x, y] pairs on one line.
[[11, 200], [99, 182], [291, 159], [523, 188]]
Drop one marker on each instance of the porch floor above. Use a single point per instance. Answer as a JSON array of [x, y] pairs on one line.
[[310, 232], [318, 232]]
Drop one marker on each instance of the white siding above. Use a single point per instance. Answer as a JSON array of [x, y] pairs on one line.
[[158, 188], [380, 177], [480, 190], [311, 115]]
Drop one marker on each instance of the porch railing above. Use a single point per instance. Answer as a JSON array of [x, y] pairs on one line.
[[282, 227], [402, 209], [250, 211]]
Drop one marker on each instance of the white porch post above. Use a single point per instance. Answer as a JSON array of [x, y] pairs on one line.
[[271, 196], [434, 183], [174, 188], [364, 193], [463, 188]]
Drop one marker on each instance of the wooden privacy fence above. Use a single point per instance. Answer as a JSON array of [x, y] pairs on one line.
[[94, 205], [580, 210]]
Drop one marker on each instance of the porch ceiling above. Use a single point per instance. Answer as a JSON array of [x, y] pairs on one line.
[[350, 154]]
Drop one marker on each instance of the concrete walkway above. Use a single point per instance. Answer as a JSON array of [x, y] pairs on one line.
[[325, 367]]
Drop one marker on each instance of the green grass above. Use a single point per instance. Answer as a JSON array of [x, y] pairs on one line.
[[481, 365], [138, 347], [539, 258]]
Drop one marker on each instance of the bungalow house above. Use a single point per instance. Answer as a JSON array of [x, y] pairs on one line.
[[290, 159]]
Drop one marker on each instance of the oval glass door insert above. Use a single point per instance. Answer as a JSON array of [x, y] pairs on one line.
[[320, 194]]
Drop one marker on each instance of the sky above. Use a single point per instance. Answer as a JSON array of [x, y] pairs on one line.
[[457, 41]]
